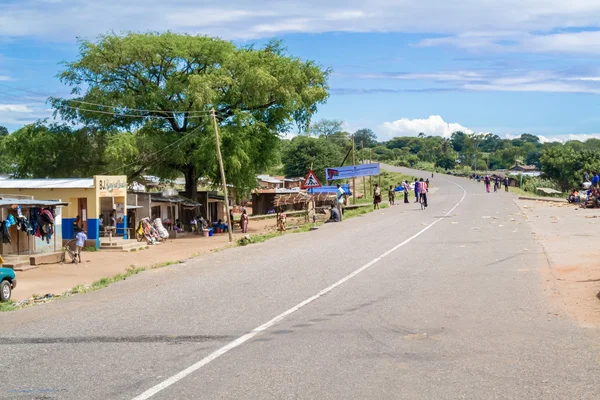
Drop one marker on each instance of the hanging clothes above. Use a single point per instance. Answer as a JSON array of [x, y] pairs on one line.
[[4, 233]]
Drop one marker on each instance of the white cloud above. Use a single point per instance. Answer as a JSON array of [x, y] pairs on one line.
[[584, 42], [16, 108], [432, 126], [502, 80], [5, 78], [242, 19]]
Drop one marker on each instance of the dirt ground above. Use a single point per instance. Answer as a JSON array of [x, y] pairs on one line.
[[570, 241], [57, 278]]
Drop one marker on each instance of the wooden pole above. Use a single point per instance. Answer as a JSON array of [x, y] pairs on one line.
[[224, 182], [353, 164]]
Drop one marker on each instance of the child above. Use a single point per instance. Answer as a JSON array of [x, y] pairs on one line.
[[81, 238]]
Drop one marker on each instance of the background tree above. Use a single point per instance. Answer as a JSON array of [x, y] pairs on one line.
[[162, 86], [56, 151], [365, 137], [458, 141], [567, 166], [305, 152], [326, 127], [5, 163], [445, 162]]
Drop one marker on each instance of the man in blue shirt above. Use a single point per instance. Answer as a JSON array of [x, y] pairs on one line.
[[81, 238], [416, 190], [595, 179]]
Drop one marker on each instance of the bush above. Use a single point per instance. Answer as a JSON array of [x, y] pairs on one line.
[[531, 183]]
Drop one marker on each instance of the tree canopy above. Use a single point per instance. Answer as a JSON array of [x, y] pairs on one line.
[[364, 137], [326, 127], [161, 87], [305, 153]]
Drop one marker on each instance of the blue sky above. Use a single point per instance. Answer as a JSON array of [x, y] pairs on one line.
[[400, 67]]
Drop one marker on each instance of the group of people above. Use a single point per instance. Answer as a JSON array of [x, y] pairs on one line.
[[198, 223], [421, 188], [487, 180]]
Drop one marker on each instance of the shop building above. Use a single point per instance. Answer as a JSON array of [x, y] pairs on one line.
[[90, 199]]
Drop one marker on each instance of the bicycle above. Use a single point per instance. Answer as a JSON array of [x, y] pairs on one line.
[[423, 201], [71, 251]]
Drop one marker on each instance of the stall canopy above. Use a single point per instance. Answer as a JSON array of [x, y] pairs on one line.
[[184, 201], [299, 198]]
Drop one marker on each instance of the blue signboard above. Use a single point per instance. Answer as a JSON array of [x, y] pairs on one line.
[[330, 189], [352, 171]]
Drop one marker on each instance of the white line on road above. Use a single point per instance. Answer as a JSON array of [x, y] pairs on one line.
[[242, 339]]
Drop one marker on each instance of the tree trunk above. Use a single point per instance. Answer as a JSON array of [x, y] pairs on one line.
[[191, 182]]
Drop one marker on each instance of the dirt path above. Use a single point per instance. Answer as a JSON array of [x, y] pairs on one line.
[[570, 240], [57, 278]]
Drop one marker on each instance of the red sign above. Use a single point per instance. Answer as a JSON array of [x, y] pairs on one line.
[[311, 181]]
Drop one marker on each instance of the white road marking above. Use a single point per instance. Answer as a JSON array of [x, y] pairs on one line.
[[242, 339]]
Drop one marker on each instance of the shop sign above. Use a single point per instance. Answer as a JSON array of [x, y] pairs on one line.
[[112, 187]]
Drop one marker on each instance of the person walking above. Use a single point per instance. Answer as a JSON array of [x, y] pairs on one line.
[[427, 185], [506, 183], [423, 192], [244, 222], [416, 190], [81, 238], [339, 197], [376, 197], [391, 195], [406, 188], [595, 179], [486, 180]]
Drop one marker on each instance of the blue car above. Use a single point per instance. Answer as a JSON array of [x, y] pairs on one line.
[[8, 281]]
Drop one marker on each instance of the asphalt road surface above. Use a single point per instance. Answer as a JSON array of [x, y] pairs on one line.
[[445, 303]]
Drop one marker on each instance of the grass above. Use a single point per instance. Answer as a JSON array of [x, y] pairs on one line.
[[80, 289], [258, 238], [90, 248], [7, 306]]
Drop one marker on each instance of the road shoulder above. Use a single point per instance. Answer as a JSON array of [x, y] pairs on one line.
[[572, 275]]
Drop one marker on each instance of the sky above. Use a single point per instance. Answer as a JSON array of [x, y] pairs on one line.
[[399, 67]]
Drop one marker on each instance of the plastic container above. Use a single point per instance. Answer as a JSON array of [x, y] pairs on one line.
[[210, 232], [205, 232]]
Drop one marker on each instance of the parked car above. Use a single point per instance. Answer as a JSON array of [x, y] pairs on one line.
[[8, 281]]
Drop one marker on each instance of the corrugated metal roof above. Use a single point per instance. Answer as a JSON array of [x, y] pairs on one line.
[[86, 183], [7, 201]]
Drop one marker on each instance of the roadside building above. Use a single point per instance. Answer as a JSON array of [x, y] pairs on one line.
[[88, 198], [529, 170]]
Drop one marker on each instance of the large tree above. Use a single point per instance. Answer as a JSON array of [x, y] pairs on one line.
[[162, 87]]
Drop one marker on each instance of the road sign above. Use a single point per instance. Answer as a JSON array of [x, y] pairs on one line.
[[311, 181], [352, 171]]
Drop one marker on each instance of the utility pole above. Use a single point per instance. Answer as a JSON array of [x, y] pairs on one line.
[[370, 177], [362, 153], [354, 165], [218, 144]]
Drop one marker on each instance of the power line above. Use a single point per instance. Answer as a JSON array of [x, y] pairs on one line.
[[161, 152], [108, 106]]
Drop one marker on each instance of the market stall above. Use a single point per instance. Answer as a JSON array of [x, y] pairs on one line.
[[29, 226]]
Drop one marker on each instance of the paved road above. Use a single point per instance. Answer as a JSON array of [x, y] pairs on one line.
[[444, 311]]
